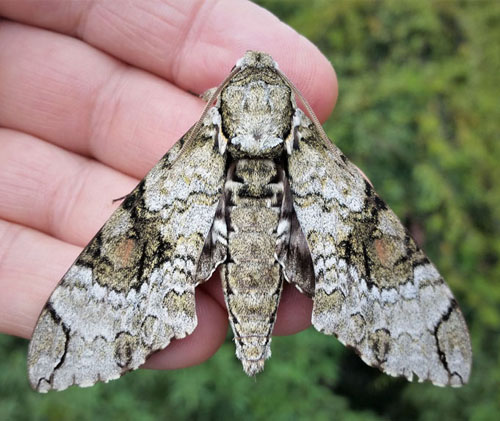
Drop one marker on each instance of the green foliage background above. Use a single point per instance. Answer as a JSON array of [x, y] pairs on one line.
[[419, 112]]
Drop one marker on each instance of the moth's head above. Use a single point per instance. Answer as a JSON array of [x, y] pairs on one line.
[[256, 59]]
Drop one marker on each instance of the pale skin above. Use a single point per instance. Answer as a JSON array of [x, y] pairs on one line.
[[92, 94]]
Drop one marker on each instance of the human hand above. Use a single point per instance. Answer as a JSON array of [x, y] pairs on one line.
[[89, 104]]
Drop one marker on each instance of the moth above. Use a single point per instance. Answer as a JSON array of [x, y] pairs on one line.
[[256, 188]]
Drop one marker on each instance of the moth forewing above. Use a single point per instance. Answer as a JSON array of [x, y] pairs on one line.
[[131, 290], [256, 187], [375, 290]]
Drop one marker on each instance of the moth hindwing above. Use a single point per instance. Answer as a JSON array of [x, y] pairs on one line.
[[257, 188]]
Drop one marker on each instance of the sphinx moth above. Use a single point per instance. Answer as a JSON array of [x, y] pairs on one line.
[[256, 188]]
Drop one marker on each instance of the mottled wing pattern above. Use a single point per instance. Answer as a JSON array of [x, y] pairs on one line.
[[132, 289], [375, 289]]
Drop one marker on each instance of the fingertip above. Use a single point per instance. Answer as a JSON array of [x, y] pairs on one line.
[[294, 312], [235, 26], [313, 75]]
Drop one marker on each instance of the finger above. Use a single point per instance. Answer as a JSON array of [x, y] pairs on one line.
[[32, 263], [56, 191], [294, 312], [191, 43], [99, 111], [61, 90]]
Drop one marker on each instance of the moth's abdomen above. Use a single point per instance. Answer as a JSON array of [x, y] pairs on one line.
[[252, 279]]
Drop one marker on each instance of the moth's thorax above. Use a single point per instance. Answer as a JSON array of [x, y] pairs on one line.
[[256, 109]]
